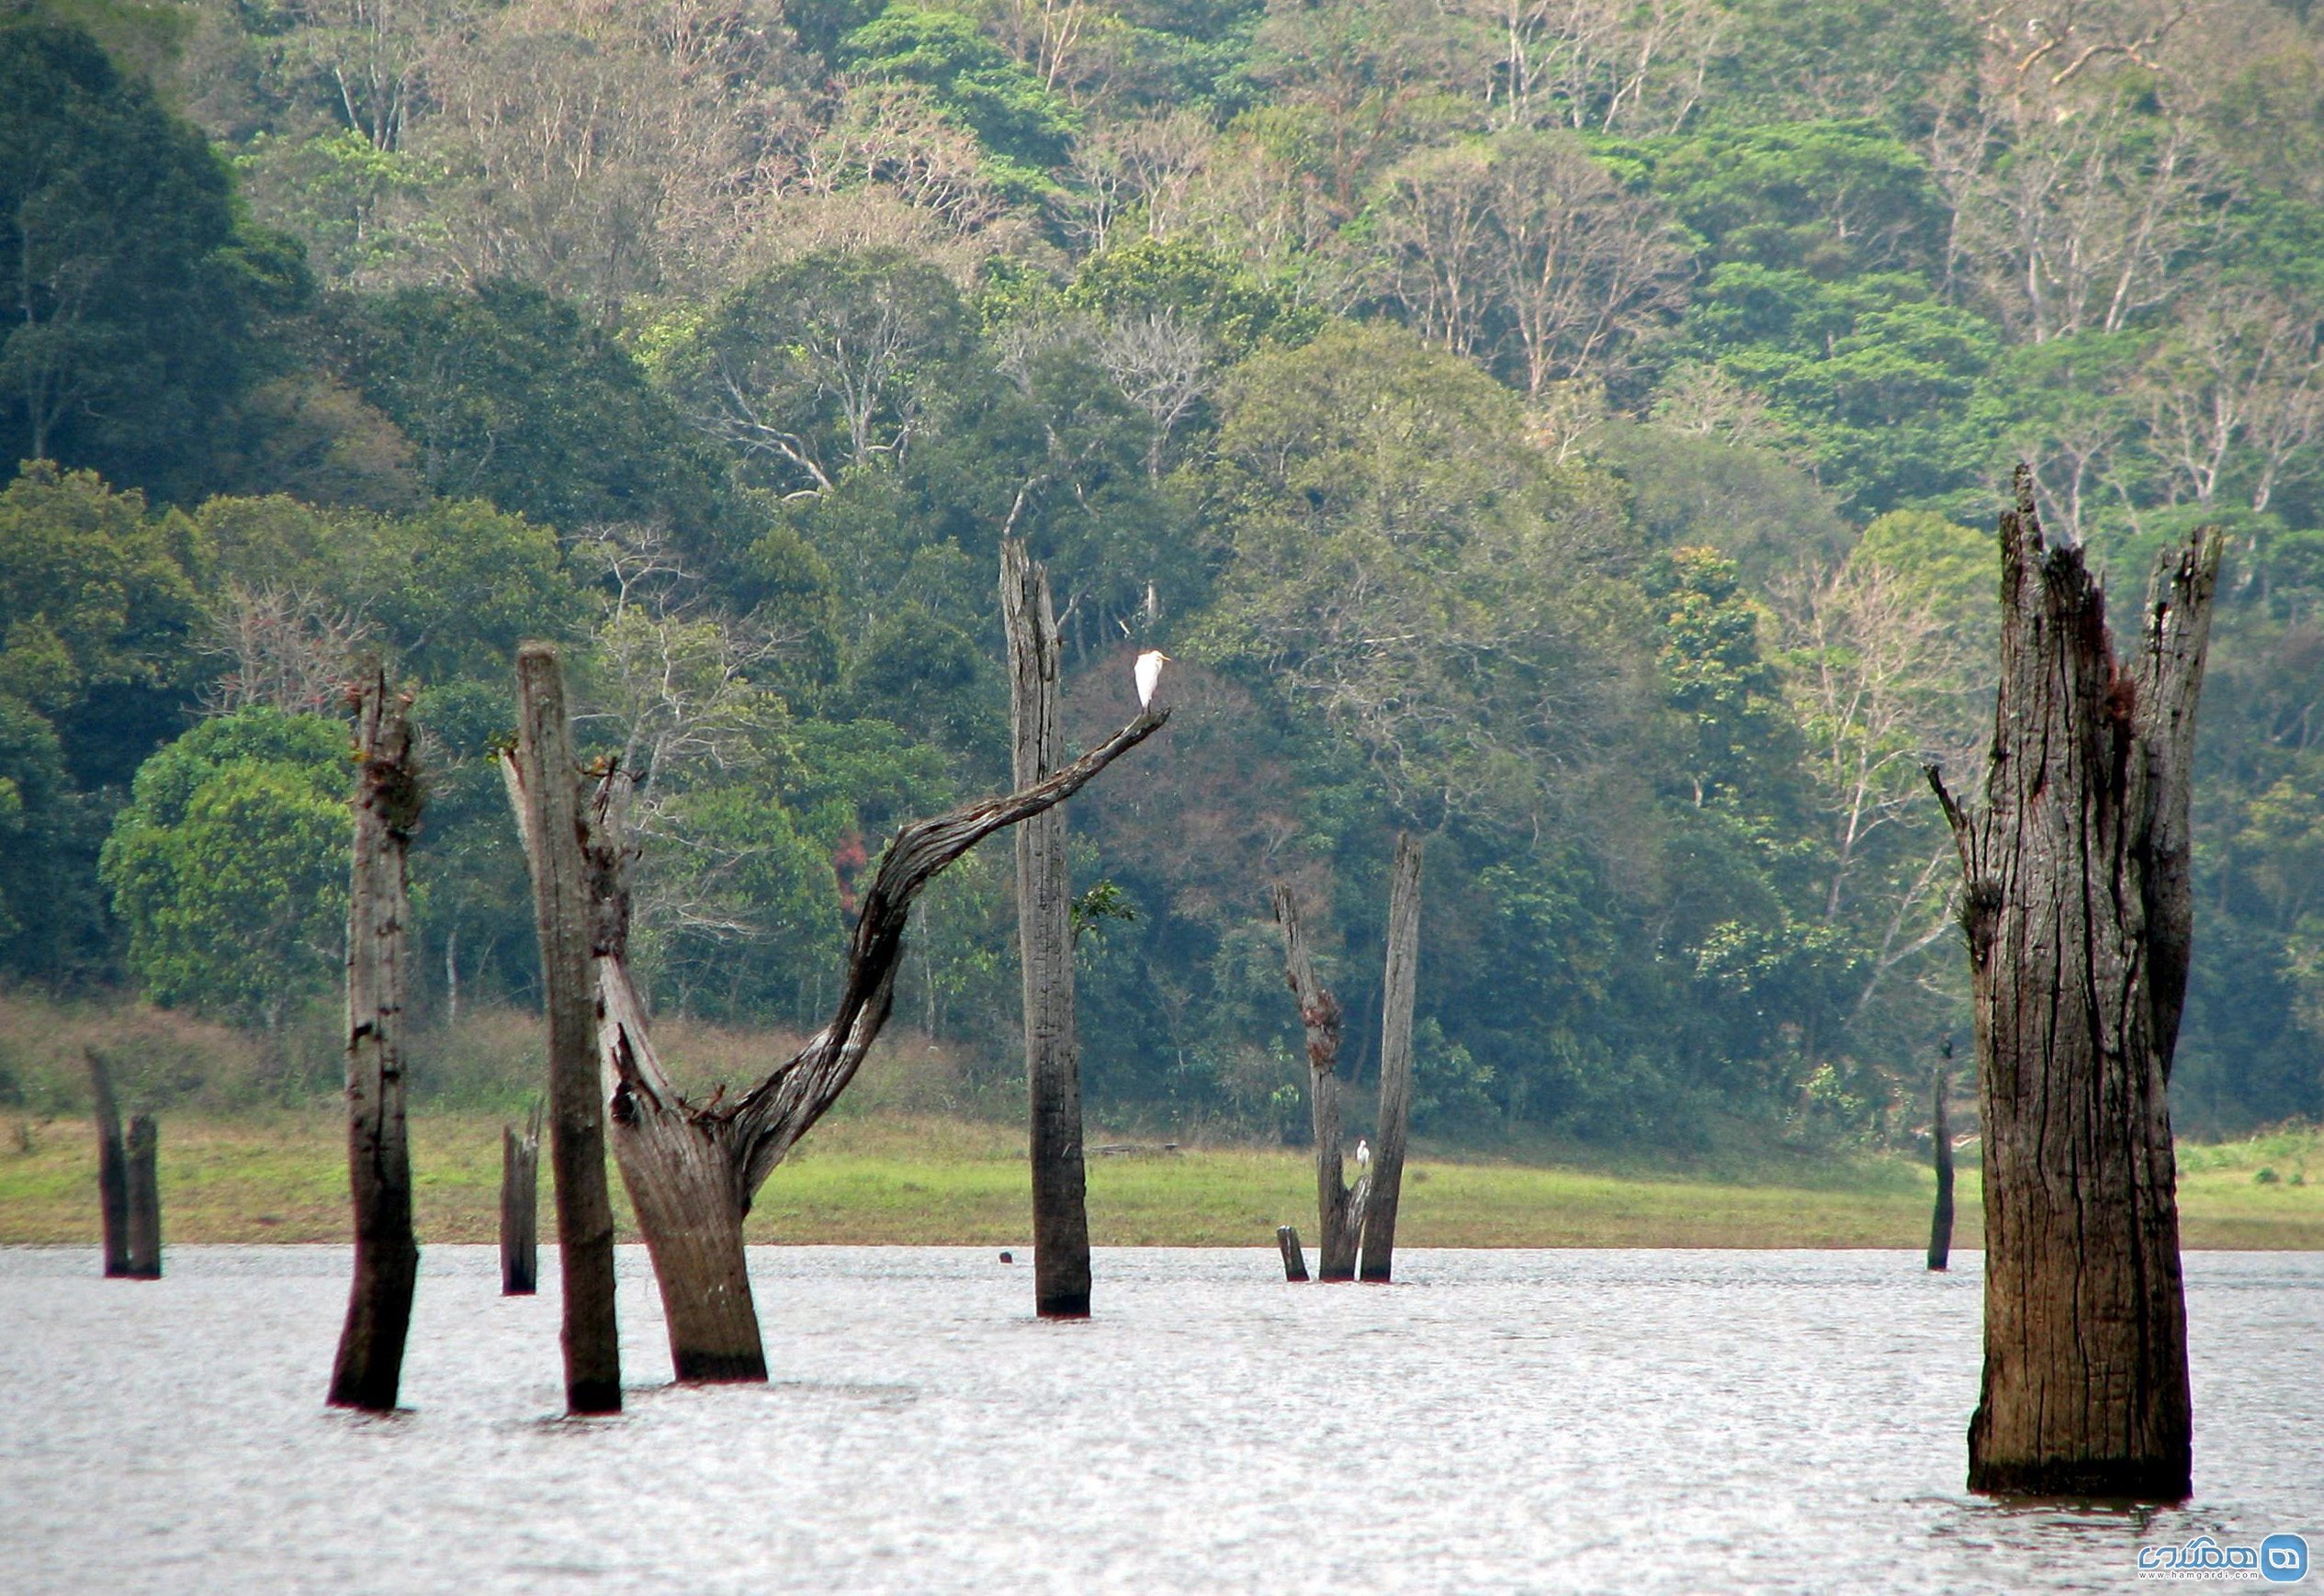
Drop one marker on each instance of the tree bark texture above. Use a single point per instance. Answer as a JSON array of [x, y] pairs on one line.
[[692, 1169], [1044, 944], [1398, 996], [112, 1166], [1338, 1212], [142, 1176], [387, 803], [1294, 1260], [520, 1207], [2077, 905], [544, 759], [1941, 1156]]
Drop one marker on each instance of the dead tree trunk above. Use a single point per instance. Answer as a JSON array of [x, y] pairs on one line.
[[1397, 997], [1294, 1261], [142, 1178], [543, 758], [692, 1170], [2077, 901], [1044, 943], [520, 1207], [1336, 1216], [112, 1166], [387, 810], [1941, 1154]]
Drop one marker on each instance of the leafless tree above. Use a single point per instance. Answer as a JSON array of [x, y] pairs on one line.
[[2236, 390], [284, 647], [1599, 65], [1163, 364]]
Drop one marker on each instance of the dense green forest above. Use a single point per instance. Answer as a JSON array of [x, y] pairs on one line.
[[1567, 428]]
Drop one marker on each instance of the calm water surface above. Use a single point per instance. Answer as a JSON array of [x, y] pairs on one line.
[[1497, 1421]]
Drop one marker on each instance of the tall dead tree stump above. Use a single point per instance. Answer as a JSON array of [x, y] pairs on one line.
[[112, 1166], [388, 799], [142, 1176], [1044, 942], [1941, 1159], [2077, 902], [520, 1207], [1398, 995]]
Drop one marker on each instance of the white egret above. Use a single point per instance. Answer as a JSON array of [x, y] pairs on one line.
[[1149, 674], [1363, 1153]]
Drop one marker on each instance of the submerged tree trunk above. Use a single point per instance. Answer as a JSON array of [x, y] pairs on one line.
[[520, 1207], [1294, 1260], [142, 1176], [692, 1170], [1044, 942], [544, 759], [1398, 996], [2077, 901], [387, 810], [1941, 1154], [112, 1166], [1338, 1215]]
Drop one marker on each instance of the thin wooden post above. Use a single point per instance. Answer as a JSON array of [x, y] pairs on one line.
[[1294, 1260], [577, 1124], [388, 799], [1044, 941], [142, 1179], [112, 1166], [1941, 1154], [1397, 999], [520, 1204]]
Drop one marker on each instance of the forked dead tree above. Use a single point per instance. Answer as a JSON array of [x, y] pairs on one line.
[[520, 1207], [1362, 1218], [1044, 943], [2078, 906], [1941, 1156], [692, 1169], [388, 799]]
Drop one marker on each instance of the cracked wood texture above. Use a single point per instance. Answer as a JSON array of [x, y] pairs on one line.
[[692, 1169], [543, 783], [1399, 991], [386, 1263], [1045, 946], [2076, 907]]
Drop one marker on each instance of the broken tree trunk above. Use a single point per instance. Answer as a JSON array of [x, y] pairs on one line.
[[1338, 1212], [2076, 900], [520, 1207], [544, 759], [386, 812], [142, 1178], [1941, 1154], [1398, 996], [1294, 1261], [1044, 944], [112, 1166], [692, 1170]]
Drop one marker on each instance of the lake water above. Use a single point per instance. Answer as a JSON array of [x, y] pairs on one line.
[[1497, 1421]]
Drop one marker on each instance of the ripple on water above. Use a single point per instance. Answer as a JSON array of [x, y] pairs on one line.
[[1566, 1421]]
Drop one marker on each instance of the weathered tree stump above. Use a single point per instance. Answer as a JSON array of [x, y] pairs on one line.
[[1941, 1156], [112, 1166], [1294, 1260], [388, 799], [520, 1207], [141, 1177], [1396, 1059], [543, 757], [1338, 1217], [692, 1169], [1044, 942], [2077, 902]]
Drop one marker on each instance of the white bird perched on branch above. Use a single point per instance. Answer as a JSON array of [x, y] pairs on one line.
[[1149, 674]]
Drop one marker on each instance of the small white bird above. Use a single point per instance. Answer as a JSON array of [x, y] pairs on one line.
[[1149, 674], [1363, 1153]]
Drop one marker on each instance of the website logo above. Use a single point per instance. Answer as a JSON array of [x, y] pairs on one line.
[[2281, 1559]]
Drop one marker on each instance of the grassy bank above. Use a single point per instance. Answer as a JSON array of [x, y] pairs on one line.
[[898, 1179]]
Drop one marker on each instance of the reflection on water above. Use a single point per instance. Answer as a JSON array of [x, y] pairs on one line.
[[1552, 1421]]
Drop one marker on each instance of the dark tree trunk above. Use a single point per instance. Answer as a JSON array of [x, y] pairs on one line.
[[1294, 1260], [1397, 995], [1338, 1215], [520, 1207], [1044, 942], [1941, 1154], [2077, 905], [693, 1170], [543, 758], [387, 810], [112, 1166], [142, 1178]]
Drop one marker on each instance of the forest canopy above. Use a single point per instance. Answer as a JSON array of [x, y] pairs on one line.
[[1569, 429]]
